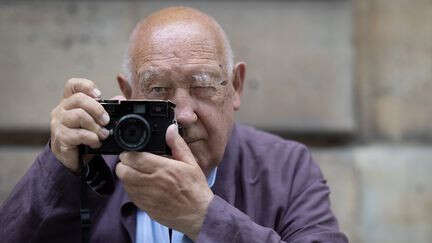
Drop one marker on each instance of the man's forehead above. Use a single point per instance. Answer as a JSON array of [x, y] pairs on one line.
[[190, 70], [176, 40], [190, 53]]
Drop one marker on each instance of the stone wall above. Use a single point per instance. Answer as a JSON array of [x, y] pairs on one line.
[[393, 69], [349, 78]]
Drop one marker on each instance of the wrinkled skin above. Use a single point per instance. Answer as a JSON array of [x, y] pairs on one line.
[[78, 119], [176, 54]]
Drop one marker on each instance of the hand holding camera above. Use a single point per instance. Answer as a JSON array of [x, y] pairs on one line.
[[171, 190], [78, 119], [136, 125], [106, 126]]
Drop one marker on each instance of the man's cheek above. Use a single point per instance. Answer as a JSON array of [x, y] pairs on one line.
[[200, 151], [197, 148], [218, 100], [220, 105]]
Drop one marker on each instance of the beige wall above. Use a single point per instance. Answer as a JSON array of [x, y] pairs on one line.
[[393, 71], [301, 46], [350, 78]]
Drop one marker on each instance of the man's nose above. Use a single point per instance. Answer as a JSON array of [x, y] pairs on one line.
[[185, 108]]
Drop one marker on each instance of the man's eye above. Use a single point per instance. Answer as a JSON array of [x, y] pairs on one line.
[[159, 92]]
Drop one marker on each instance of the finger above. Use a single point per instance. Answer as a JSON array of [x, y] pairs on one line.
[[144, 162], [81, 85], [78, 118], [90, 105], [179, 149], [118, 97], [130, 175], [74, 137]]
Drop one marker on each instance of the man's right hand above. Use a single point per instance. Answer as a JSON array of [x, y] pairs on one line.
[[78, 119]]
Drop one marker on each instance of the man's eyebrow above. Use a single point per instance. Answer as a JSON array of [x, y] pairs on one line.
[[205, 76], [146, 76]]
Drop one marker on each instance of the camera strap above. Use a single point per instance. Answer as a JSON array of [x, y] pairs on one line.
[[84, 208]]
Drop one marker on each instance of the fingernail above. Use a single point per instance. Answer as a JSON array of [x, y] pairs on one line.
[[96, 92], [175, 127], [105, 119], [104, 132]]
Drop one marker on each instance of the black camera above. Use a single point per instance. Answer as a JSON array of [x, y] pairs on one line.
[[136, 125]]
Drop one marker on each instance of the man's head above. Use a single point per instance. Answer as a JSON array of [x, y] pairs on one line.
[[183, 55]]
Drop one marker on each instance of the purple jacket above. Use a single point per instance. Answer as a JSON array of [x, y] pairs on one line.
[[267, 190]]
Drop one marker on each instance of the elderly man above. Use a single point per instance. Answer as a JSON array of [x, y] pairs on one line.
[[223, 183]]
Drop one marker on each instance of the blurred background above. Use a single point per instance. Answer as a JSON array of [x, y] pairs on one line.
[[351, 79]]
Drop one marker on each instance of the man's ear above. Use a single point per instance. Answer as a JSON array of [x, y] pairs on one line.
[[238, 81], [124, 85]]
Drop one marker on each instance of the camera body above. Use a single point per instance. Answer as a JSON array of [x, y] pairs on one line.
[[136, 125]]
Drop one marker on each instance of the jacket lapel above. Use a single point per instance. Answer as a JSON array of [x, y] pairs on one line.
[[128, 219], [127, 207]]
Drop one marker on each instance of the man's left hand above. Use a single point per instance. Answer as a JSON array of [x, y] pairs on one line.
[[172, 191]]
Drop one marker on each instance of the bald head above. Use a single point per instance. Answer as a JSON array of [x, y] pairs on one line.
[[182, 55], [181, 31]]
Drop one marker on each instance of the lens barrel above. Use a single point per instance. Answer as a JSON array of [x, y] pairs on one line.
[[132, 132]]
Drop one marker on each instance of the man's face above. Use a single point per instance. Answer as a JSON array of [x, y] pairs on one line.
[[185, 63]]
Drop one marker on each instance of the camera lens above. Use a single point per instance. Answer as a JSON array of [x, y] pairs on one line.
[[132, 132]]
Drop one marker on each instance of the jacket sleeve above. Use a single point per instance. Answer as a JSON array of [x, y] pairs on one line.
[[45, 202], [44, 205], [307, 217]]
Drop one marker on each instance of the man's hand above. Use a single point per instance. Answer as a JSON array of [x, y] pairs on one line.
[[174, 191], [78, 119]]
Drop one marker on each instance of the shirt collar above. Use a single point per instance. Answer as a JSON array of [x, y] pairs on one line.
[[211, 178]]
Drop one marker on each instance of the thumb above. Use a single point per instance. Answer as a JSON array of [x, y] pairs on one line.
[[180, 150]]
